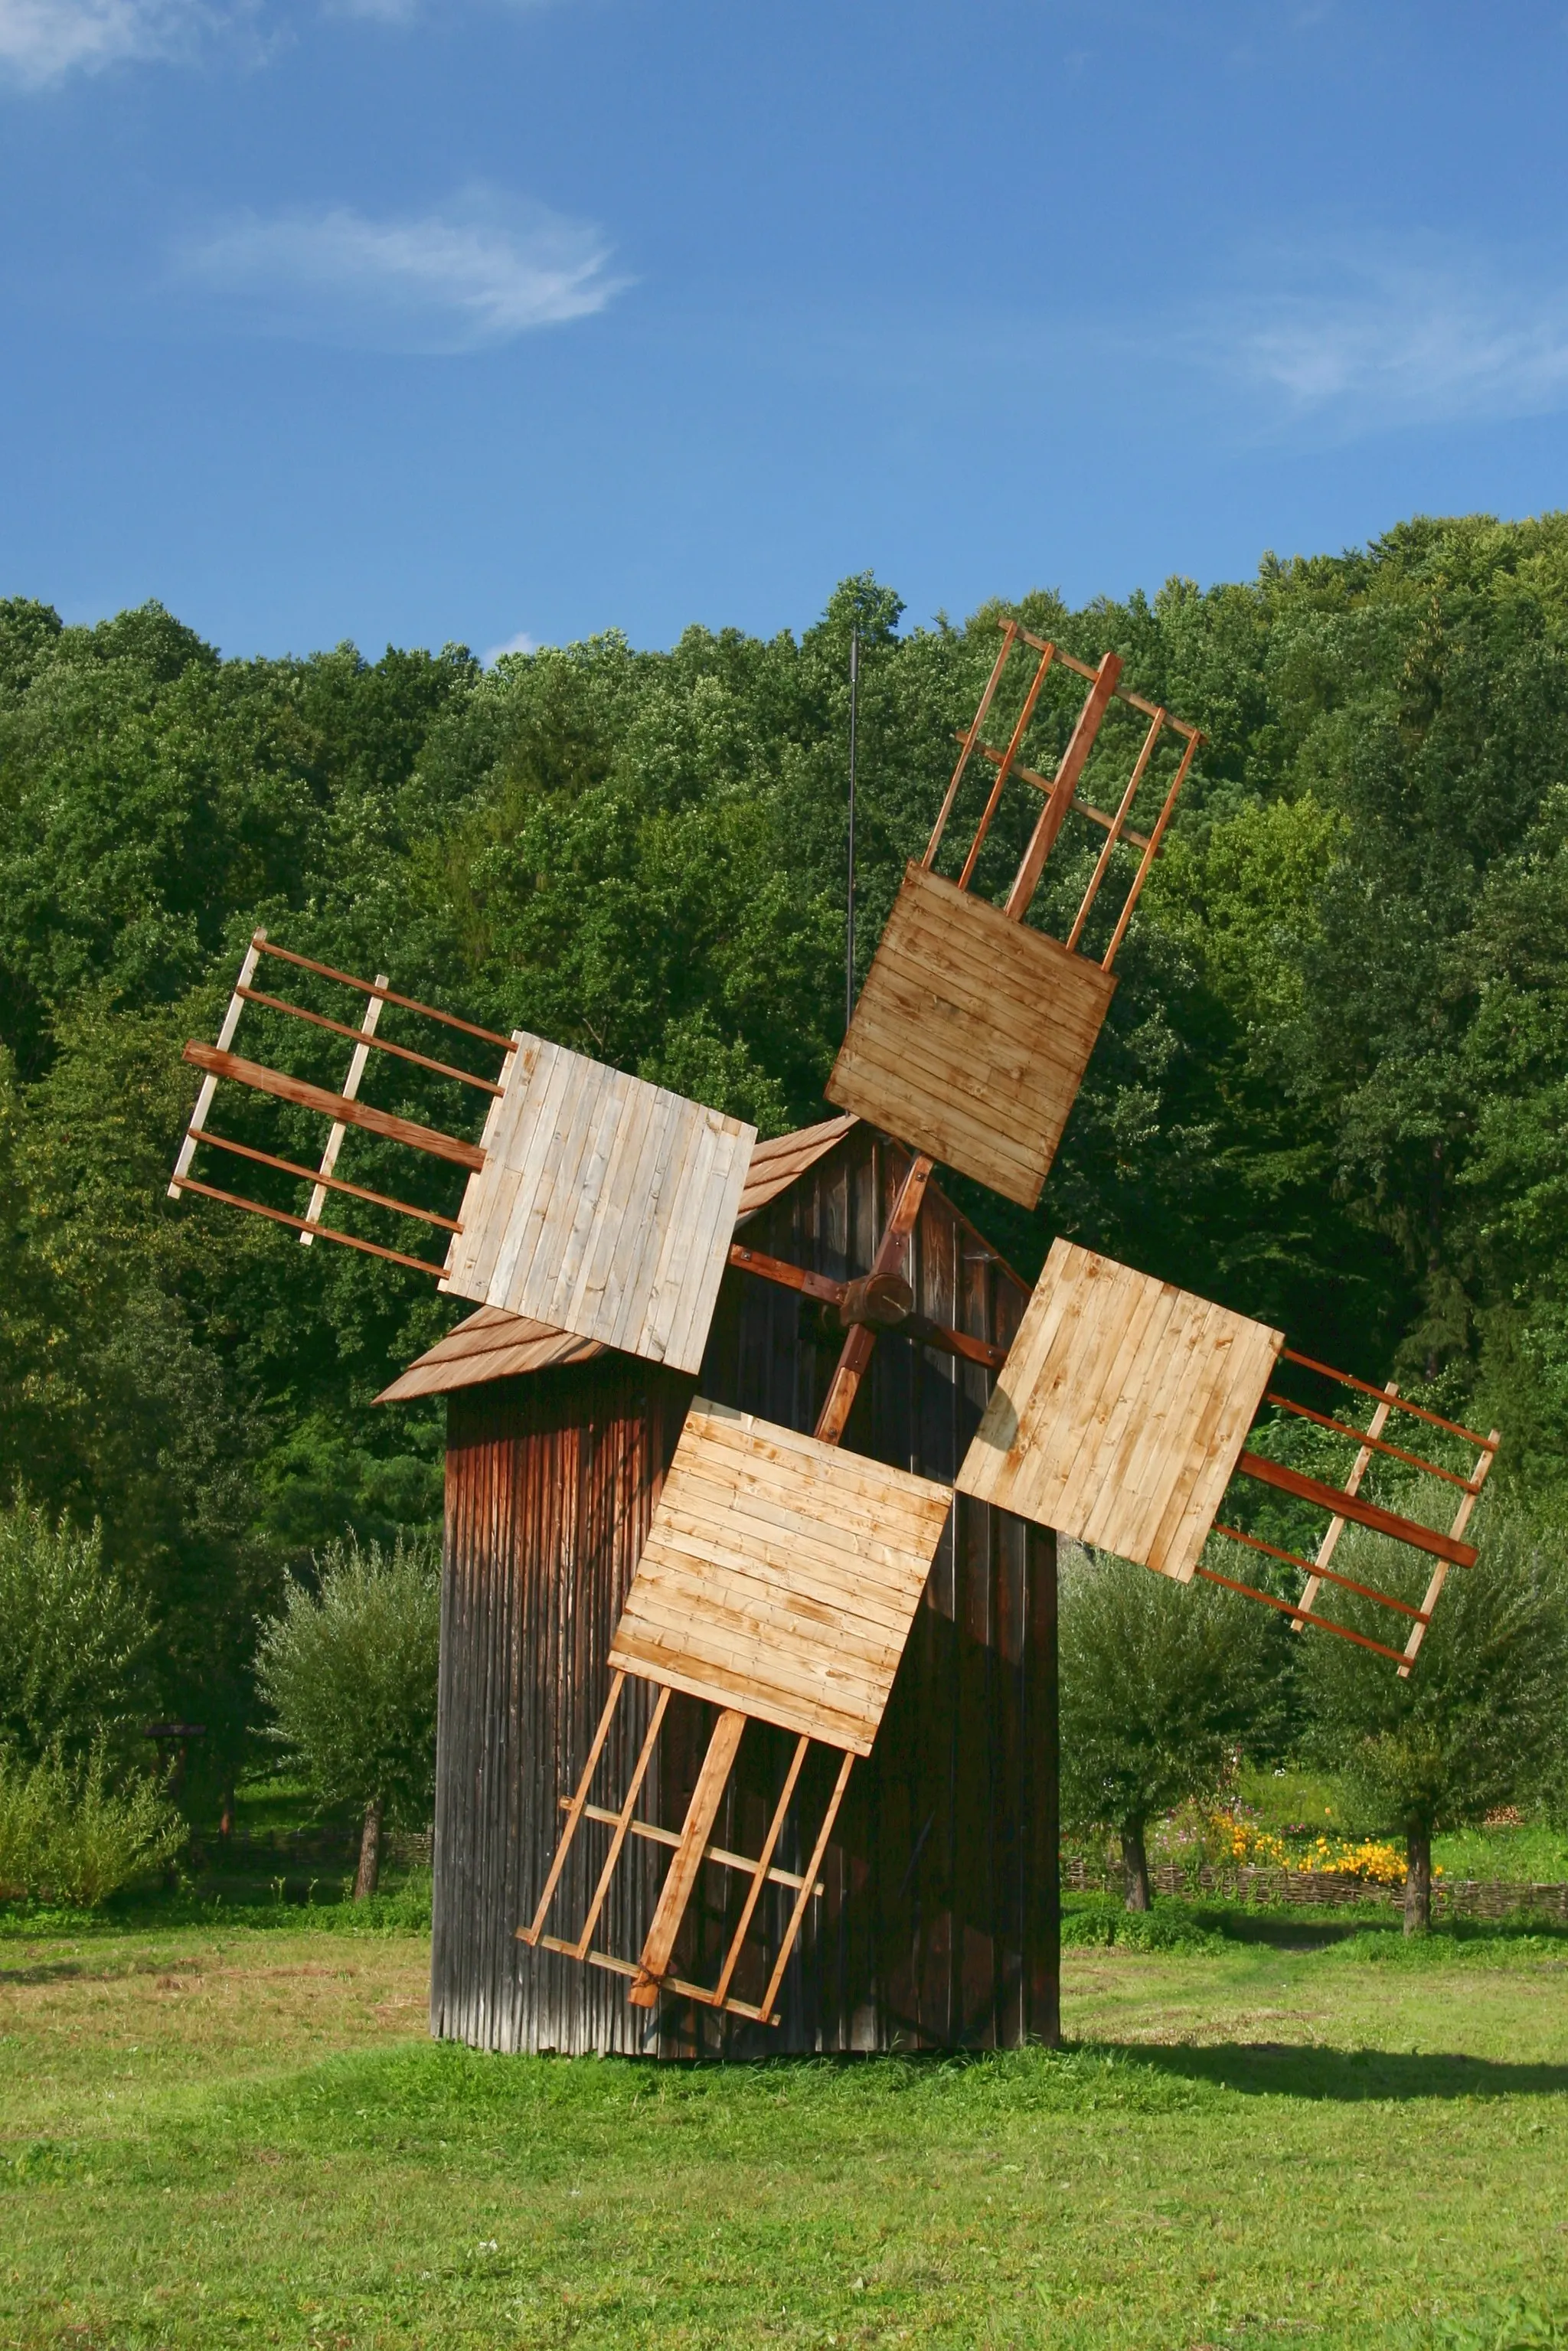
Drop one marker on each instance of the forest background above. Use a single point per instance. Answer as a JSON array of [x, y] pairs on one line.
[[1331, 1092]]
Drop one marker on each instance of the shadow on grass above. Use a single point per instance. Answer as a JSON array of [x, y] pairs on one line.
[[1287, 1931], [46, 1971], [1352, 2076]]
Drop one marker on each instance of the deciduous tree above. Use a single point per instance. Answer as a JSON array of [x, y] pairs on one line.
[[1160, 1683], [1482, 1720]]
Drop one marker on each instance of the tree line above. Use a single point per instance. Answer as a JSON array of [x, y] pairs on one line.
[[1331, 1091]]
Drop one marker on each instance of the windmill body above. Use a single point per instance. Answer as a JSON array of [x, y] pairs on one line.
[[937, 1923]]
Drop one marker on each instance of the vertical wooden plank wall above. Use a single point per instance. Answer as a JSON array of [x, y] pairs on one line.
[[551, 1482], [939, 1925]]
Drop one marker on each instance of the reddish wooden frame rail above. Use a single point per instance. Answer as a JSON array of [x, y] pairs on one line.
[[1060, 790], [650, 1974], [1346, 1505], [343, 1110]]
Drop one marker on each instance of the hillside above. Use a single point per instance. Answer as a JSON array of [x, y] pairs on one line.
[[1332, 1090]]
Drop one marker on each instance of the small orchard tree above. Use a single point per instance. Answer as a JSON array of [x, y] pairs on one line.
[[1159, 1682], [1482, 1720], [349, 1671], [73, 1642]]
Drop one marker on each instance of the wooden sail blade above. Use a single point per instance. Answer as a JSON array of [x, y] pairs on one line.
[[604, 1206], [780, 1576], [1121, 1411], [971, 1037]]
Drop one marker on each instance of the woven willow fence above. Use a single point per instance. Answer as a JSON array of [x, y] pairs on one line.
[[1460, 1898]]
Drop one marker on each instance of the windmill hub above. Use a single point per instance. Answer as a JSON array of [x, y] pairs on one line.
[[879, 1302]]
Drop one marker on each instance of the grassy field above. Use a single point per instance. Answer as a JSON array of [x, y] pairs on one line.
[[1276, 2133]]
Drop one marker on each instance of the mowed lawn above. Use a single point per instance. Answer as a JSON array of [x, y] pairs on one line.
[[237, 2137]]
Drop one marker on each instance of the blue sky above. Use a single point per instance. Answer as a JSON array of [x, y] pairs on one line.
[[504, 320]]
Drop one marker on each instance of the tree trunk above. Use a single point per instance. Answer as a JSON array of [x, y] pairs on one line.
[[369, 1875], [1417, 1881], [1135, 1861]]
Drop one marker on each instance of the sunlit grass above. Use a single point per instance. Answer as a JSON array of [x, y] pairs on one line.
[[244, 2138]]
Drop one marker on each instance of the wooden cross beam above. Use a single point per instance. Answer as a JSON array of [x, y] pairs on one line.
[[358, 1062]]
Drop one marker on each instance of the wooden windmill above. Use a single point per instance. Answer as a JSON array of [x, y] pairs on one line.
[[781, 1573]]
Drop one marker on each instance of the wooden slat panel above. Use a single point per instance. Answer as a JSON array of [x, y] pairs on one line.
[[1120, 1412], [604, 1208], [971, 1036], [780, 1576], [1222, 1426]]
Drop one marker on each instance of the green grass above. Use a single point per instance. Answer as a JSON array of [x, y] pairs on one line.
[[1533, 1852], [214, 1901], [1295, 2130]]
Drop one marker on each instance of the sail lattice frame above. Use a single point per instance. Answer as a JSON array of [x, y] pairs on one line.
[[972, 1033]]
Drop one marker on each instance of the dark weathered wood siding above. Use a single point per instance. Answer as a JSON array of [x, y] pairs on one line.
[[550, 1482], [939, 1923]]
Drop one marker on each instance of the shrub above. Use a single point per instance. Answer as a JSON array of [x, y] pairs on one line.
[[73, 1640], [68, 1832]]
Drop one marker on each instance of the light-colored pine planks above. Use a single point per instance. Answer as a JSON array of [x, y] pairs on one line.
[[1121, 1411], [971, 1036], [604, 1207], [780, 1576]]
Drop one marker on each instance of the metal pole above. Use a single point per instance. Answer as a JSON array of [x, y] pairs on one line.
[[850, 905]]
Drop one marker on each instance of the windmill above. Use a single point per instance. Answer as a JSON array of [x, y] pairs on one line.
[[781, 1574]]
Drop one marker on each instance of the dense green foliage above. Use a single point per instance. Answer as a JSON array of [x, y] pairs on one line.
[[347, 1672], [1332, 1090], [69, 1834]]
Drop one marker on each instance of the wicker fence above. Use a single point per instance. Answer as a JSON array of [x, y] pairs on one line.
[[1460, 1898]]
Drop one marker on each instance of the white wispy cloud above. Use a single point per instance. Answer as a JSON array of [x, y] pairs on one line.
[[521, 643], [407, 12], [41, 41], [1367, 335], [382, 12], [476, 271]]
